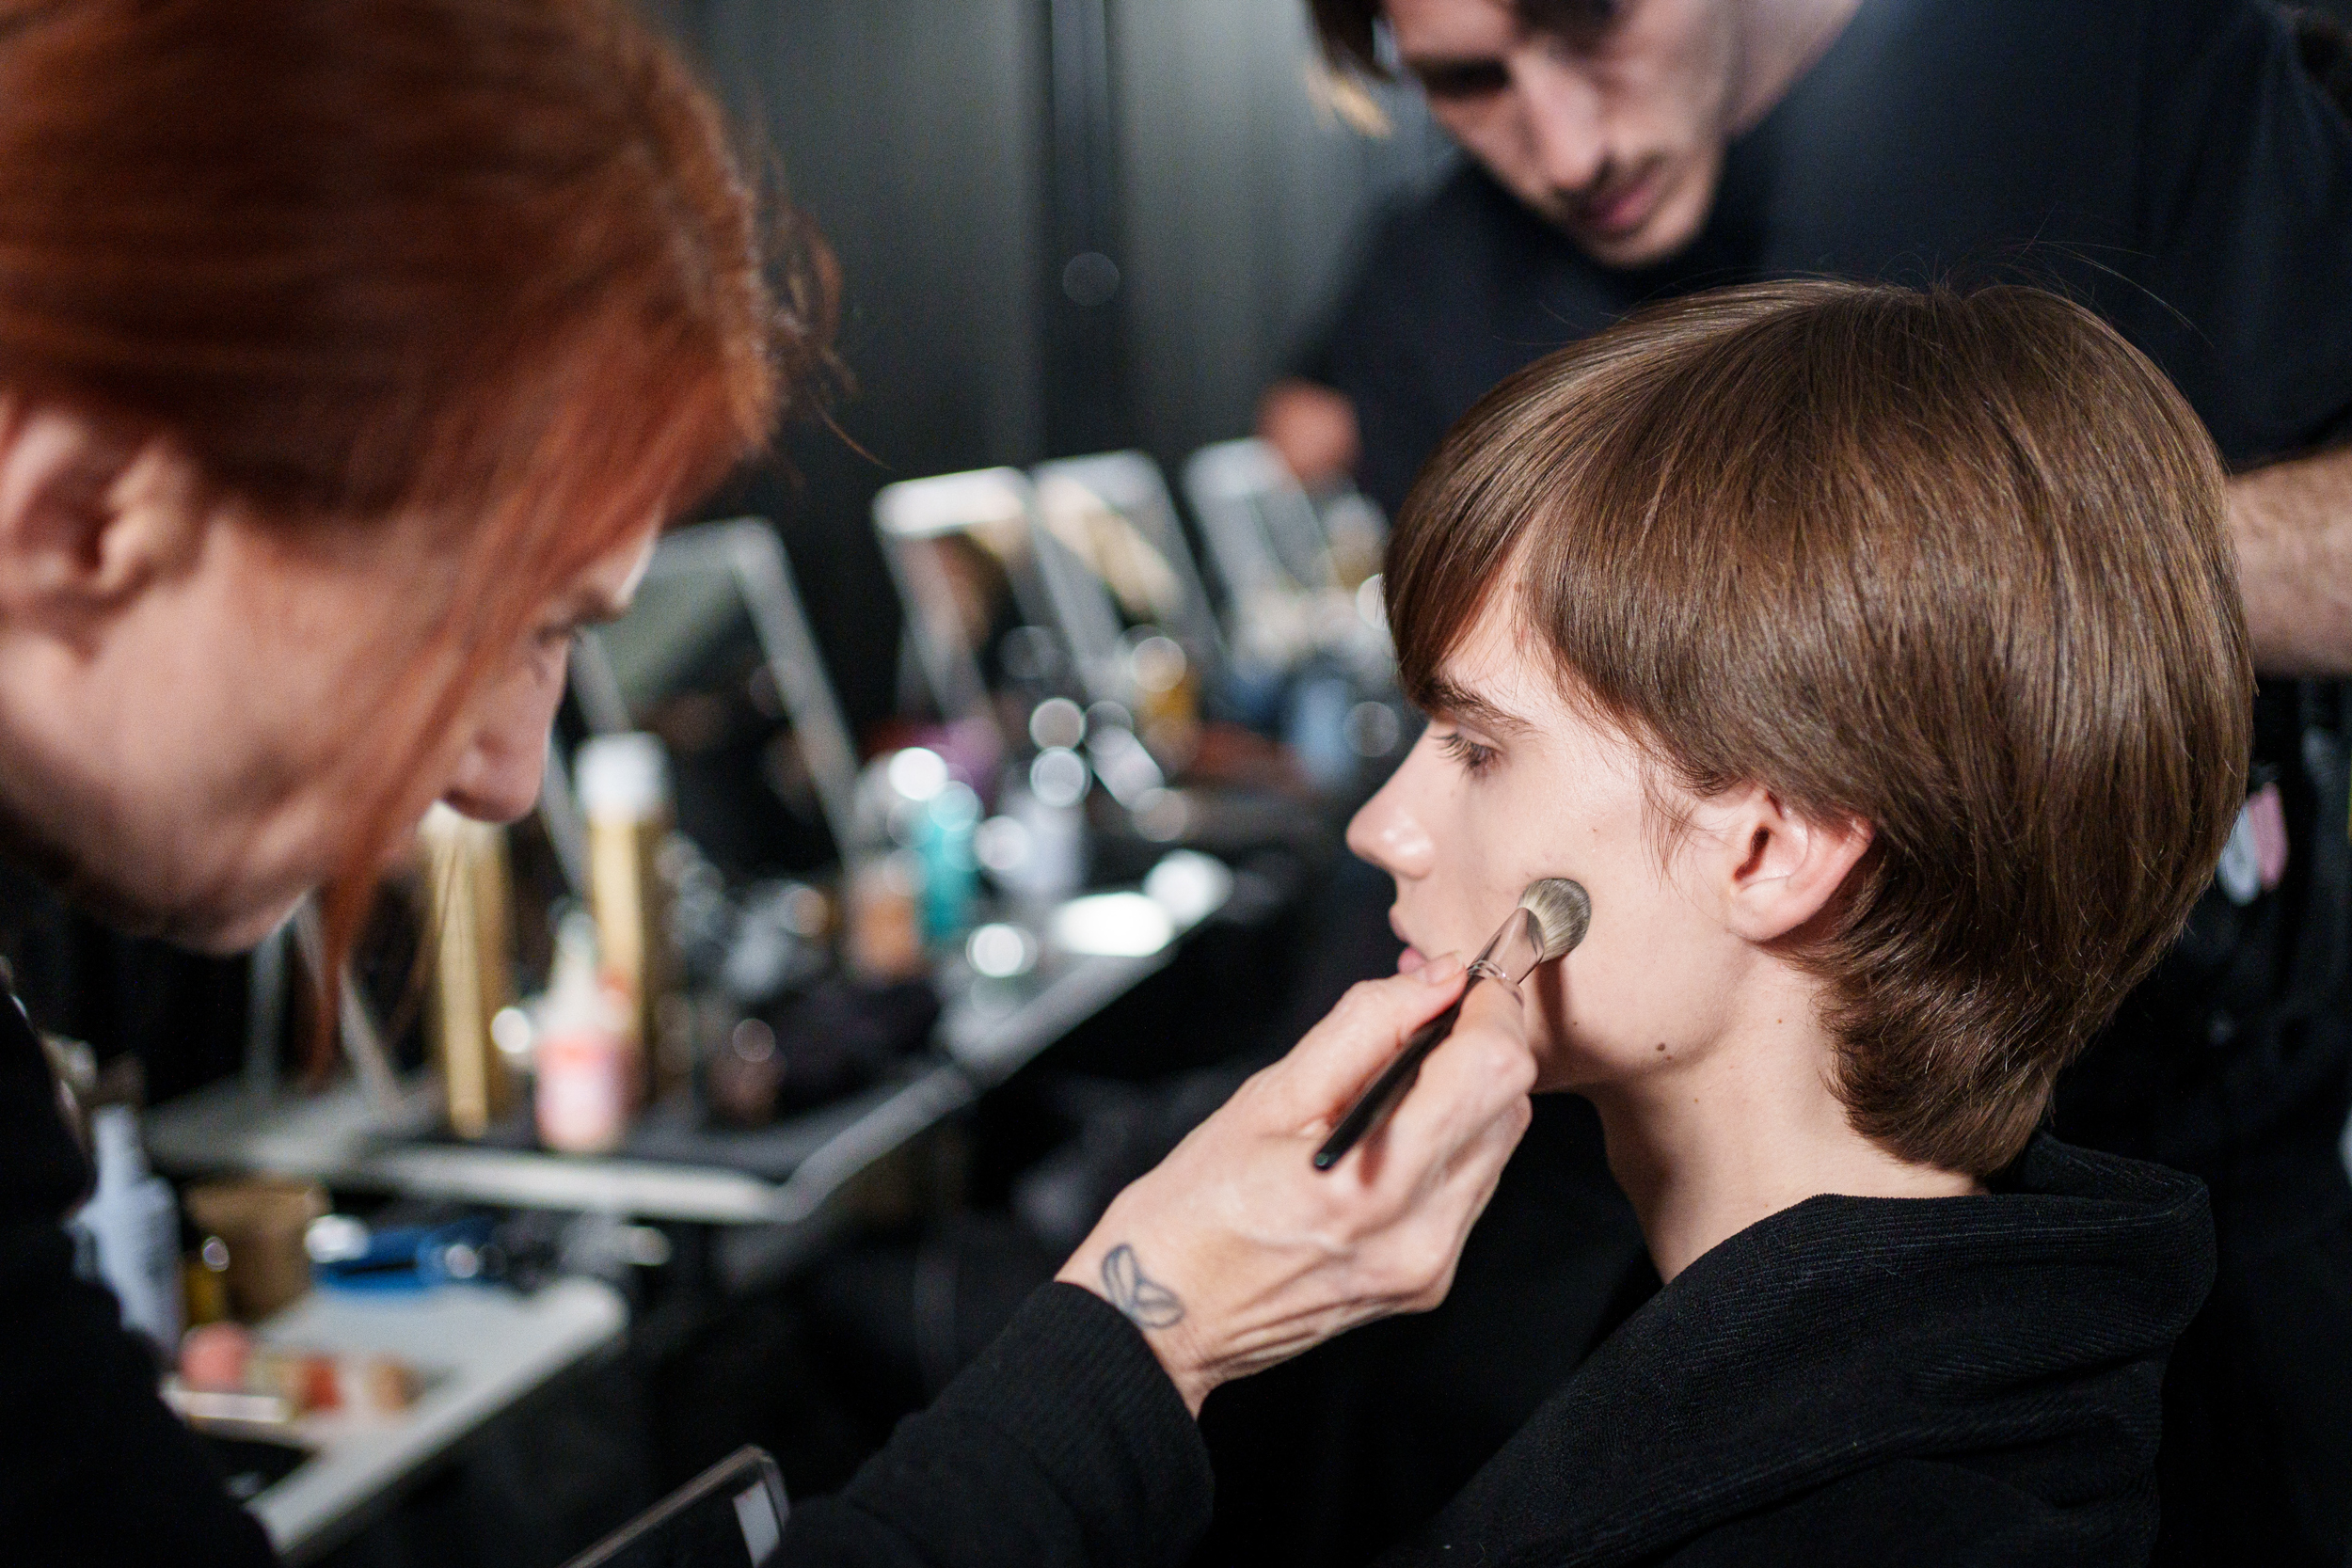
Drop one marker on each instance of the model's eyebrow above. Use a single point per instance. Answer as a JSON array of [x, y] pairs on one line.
[[1450, 700]]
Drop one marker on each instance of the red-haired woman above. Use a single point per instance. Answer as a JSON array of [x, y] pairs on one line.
[[351, 354]]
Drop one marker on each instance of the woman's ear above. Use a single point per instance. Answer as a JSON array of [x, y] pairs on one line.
[[1782, 869], [86, 520]]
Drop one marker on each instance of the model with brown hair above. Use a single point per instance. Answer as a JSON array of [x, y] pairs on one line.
[[351, 354], [1875, 660]]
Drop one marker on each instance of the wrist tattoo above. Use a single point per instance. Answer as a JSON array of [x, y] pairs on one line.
[[1144, 1300]]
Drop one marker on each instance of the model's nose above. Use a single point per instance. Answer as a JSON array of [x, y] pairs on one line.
[[1387, 834]]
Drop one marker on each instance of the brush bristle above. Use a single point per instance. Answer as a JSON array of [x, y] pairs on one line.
[[1562, 910]]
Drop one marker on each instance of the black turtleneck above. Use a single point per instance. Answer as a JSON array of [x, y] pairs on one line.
[[1922, 1381]]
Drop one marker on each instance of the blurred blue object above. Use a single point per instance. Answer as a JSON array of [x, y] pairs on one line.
[[407, 1258], [1315, 727]]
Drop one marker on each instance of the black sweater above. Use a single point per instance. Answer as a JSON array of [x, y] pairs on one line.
[[1968, 1379], [94, 1471]]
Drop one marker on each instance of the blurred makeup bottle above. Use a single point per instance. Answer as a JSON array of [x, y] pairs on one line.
[[624, 785], [588, 1069], [470, 937], [133, 1226]]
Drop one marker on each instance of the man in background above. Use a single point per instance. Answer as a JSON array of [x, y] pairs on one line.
[[2171, 164]]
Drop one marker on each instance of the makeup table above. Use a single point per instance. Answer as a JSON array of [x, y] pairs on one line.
[[747, 1207], [671, 1168]]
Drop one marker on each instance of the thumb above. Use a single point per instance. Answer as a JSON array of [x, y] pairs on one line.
[[1496, 1009], [1359, 1037], [1475, 1080]]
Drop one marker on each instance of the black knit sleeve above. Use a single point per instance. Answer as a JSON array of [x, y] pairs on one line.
[[93, 1471], [1064, 1445]]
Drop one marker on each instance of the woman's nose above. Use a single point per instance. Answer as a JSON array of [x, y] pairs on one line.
[[499, 783], [1387, 833], [498, 778]]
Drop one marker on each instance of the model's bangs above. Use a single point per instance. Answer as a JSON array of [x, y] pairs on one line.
[[1504, 476], [1543, 504]]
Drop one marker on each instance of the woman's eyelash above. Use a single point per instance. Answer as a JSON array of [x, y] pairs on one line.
[[1475, 759]]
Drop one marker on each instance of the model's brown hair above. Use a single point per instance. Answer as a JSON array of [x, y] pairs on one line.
[[485, 261], [1954, 565]]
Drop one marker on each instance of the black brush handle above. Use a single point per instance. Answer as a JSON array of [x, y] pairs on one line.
[[1372, 1106]]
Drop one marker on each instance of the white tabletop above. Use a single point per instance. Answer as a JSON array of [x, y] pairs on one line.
[[481, 1350]]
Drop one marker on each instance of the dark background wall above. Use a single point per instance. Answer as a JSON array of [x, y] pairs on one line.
[[957, 154]]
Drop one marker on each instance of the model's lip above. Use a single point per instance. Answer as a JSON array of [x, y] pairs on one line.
[[1412, 957]]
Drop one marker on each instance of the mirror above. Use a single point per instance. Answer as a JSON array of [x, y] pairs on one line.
[[1116, 563], [1261, 529], [980, 617], [716, 657]]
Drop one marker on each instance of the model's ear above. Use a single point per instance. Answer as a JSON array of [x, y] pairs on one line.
[[1781, 869], [87, 519]]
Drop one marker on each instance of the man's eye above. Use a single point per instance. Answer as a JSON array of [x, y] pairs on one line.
[[1458, 83], [1474, 759]]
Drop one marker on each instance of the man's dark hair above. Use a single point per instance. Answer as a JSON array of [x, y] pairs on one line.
[[1350, 28]]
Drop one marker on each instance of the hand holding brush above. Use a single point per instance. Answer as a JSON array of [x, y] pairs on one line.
[[1550, 919]]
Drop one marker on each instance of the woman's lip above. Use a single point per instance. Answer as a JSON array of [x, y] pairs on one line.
[[1410, 959]]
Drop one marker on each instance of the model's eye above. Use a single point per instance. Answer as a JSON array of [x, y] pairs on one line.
[[1474, 758], [1465, 81]]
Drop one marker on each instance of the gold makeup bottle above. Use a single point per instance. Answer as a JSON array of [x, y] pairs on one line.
[[624, 785], [471, 937]]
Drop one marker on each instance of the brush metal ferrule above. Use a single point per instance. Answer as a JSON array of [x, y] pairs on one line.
[[1515, 950]]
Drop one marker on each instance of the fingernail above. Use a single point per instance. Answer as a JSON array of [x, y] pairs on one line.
[[1441, 970]]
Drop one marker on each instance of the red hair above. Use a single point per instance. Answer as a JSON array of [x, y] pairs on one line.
[[485, 261]]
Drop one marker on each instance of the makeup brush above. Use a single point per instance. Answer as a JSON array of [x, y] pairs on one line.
[[1550, 919]]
